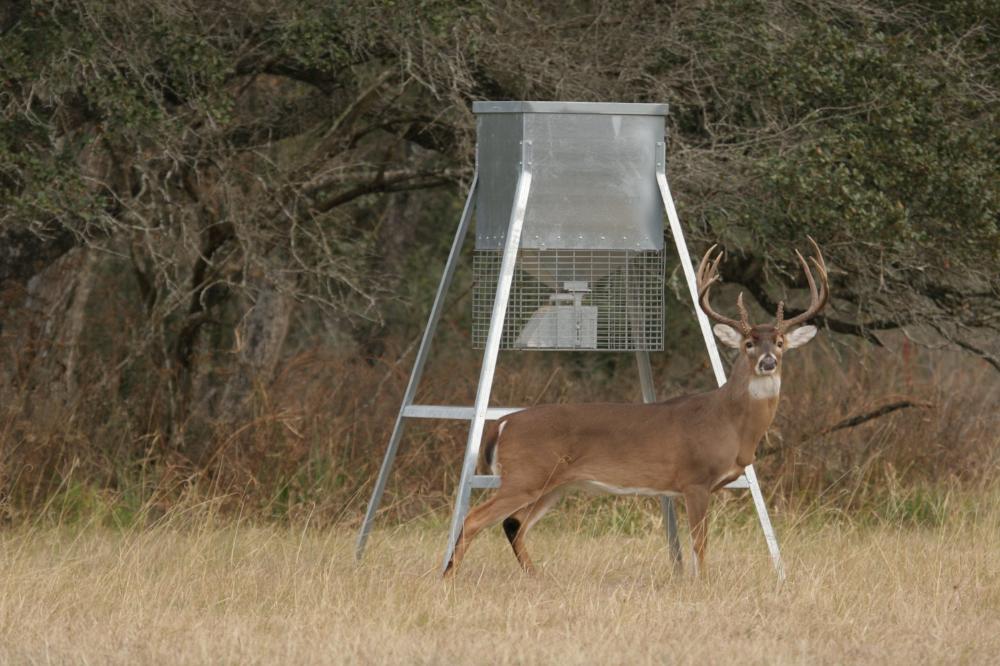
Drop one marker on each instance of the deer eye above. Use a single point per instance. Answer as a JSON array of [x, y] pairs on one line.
[[780, 344], [748, 344]]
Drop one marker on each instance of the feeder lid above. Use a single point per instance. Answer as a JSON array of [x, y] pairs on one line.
[[595, 108]]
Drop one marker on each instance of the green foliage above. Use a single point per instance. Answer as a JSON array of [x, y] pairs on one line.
[[893, 142], [899, 167]]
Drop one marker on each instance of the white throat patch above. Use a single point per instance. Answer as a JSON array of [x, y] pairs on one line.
[[765, 387]]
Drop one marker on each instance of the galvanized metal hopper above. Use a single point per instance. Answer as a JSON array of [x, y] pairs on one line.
[[589, 273]]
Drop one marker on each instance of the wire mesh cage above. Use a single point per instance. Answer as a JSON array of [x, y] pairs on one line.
[[604, 300]]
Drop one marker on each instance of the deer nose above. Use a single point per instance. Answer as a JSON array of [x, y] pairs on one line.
[[768, 363]]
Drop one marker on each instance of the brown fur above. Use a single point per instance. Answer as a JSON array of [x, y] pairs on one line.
[[690, 445]]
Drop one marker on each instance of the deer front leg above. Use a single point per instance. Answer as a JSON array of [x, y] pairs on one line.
[[696, 502]]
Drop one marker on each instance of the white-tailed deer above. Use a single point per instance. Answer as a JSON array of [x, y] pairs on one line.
[[691, 445]]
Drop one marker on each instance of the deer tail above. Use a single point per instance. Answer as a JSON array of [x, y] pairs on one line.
[[488, 448]]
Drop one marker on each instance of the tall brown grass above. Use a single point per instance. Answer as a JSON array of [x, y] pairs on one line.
[[317, 434], [119, 549]]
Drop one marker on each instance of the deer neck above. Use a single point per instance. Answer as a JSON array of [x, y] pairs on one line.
[[752, 401]]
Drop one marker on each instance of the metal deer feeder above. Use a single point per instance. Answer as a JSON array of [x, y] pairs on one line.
[[569, 200]]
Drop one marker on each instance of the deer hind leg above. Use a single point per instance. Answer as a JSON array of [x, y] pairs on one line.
[[488, 513], [517, 525], [696, 503]]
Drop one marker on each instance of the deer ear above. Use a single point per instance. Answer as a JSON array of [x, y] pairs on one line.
[[728, 335], [800, 336]]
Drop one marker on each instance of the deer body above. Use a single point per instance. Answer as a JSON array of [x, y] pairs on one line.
[[557, 445], [691, 445]]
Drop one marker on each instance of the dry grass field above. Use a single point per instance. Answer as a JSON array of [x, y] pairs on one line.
[[197, 589], [890, 532]]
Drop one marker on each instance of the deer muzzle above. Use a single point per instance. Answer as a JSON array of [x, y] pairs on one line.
[[767, 364]]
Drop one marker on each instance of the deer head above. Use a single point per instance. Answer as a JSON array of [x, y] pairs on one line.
[[764, 344]]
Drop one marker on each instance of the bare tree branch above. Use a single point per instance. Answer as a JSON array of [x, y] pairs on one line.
[[873, 414]]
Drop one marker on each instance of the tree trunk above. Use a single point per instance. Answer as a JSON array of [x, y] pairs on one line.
[[75, 319], [260, 338], [43, 339]]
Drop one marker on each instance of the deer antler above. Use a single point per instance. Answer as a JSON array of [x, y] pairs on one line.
[[818, 297], [708, 274]]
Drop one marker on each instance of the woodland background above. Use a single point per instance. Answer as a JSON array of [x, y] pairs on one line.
[[221, 225]]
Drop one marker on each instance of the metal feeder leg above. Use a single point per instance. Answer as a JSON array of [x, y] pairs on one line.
[[491, 351], [418, 367], [765, 521]]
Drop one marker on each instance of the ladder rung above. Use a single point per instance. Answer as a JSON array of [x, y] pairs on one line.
[[485, 481], [741, 482], [456, 412]]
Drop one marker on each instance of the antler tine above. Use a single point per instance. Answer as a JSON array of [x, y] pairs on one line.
[[820, 265], [818, 296], [708, 274], [713, 269], [708, 270], [745, 327], [813, 293], [780, 317], [818, 259], [701, 265]]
